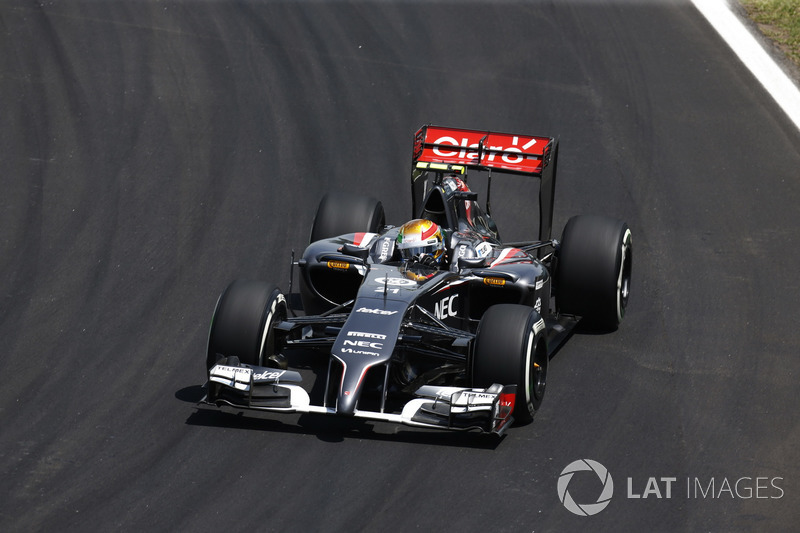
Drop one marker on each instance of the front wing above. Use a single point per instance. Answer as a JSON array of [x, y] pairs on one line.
[[455, 408]]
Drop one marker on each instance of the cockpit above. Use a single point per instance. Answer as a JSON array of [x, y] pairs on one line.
[[453, 206]]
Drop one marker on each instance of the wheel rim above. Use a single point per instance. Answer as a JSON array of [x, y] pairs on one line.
[[536, 371], [539, 374], [624, 280]]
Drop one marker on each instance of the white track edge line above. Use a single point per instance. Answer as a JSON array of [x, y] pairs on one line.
[[746, 46]]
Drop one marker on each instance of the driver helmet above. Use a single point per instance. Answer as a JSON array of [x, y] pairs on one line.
[[419, 239]]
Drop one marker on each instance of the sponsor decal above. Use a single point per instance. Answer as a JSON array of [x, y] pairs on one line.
[[494, 282], [366, 335], [364, 344], [360, 352], [483, 396], [446, 307], [472, 400], [375, 311], [235, 371], [440, 151], [483, 249], [232, 376], [269, 374], [339, 265], [509, 151], [384, 250], [490, 155], [538, 305]]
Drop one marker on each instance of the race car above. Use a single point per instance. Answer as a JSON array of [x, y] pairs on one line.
[[436, 323]]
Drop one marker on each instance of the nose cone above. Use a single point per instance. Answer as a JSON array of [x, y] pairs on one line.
[[358, 356], [350, 393], [366, 340]]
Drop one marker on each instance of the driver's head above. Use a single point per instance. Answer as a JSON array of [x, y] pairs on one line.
[[419, 239]]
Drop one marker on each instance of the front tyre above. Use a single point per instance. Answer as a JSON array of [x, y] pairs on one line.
[[511, 349], [243, 323], [594, 270]]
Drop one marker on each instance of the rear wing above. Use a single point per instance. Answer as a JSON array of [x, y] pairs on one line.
[[454, 151]]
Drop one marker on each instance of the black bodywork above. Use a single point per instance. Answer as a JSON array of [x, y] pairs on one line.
[[398, 338]]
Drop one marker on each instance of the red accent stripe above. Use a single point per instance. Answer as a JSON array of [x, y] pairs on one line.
[[508, 255], [358, 238], [507, 403], [427, 234]]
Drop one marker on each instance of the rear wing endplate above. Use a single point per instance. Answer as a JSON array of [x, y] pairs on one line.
[[455, 150]]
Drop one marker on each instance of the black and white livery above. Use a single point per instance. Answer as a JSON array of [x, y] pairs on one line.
[[459, 340]]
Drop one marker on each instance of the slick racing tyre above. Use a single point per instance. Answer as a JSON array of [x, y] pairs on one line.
[[511, 349], [243, 323], [340, 213], [594, 271]]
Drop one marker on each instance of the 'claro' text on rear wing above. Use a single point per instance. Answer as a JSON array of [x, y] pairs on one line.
[[455, 150]]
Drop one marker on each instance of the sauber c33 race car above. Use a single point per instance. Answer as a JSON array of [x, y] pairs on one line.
[[436, 323]]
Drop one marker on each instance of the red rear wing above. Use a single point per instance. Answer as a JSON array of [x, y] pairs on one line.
[[440, 150], [522, 154]]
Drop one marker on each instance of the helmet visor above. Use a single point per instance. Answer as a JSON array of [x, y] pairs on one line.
[[419, 251]]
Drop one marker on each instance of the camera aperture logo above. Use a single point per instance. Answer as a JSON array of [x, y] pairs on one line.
[[585, 509]]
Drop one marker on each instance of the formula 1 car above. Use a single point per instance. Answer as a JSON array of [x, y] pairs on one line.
[[462, 343]]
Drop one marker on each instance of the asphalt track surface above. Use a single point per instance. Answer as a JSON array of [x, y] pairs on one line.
[[153, 151]]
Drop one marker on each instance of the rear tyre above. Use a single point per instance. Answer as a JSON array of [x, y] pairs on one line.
[[594, 271], [511, 349], [243, 323], [340, 213]]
